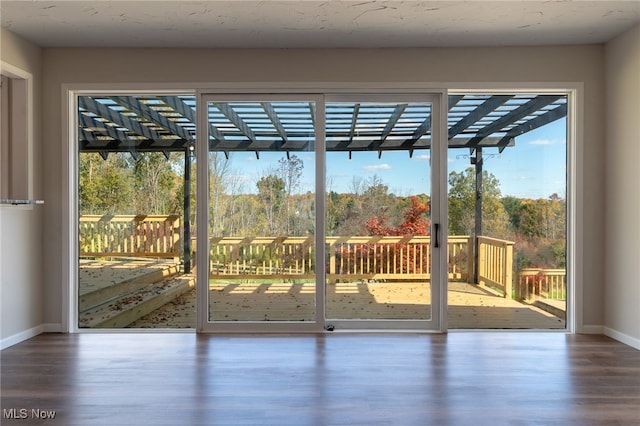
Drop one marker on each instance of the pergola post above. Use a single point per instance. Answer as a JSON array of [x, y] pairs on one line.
[[477, 161], [187, 210]]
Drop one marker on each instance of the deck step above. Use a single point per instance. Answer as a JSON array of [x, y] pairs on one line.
[[124, 310], [551, 307], [101, 294]]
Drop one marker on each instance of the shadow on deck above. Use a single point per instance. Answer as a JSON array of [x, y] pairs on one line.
[[147, 294]]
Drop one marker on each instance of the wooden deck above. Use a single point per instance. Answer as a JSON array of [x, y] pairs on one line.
[[470, 306]]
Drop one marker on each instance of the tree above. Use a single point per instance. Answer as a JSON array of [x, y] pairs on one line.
[[105, 186], [290, 171], [219, 171], [513, 207], [155, 183], [376, 201], [462, 205], [272, 196], [414, 222]]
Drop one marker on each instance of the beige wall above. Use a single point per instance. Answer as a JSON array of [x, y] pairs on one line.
[[622, 184], [21, 256], [436, 66]]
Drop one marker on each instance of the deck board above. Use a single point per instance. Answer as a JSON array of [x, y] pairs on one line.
[[470, 306]]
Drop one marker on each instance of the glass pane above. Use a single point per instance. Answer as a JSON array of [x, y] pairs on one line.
[[507, 212], [378, 211], [261, 211], [136, 211]]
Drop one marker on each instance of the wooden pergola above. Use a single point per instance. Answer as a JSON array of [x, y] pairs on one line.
[[166, 124]]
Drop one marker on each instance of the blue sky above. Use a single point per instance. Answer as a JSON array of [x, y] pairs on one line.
[[534, 168]]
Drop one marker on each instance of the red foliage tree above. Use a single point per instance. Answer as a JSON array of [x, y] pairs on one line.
[[409, 258], [414, 222]]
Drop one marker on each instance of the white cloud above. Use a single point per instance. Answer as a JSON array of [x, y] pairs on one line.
[[541, 142], [422, 157], [376, 167]]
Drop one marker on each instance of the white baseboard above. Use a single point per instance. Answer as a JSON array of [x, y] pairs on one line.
[[621, 337], [21, 337], [28, 334], [591, 329]]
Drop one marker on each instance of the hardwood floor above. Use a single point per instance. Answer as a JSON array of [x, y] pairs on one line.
[[334, 379]]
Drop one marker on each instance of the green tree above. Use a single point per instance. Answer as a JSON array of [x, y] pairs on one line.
[[513, 207], [271, 192], [462, 194], [155, 183], [105, 186]]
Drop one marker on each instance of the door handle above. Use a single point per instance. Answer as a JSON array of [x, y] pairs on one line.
[[436, 232]]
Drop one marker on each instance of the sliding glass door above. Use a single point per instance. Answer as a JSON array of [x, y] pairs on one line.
[[260, 211], [319, 213], [136, 205], [379, 213], [322, 211]]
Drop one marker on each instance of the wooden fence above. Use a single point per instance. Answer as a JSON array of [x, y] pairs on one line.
[[460, 258], [536, 283], [384, 258], [495, 264], [150, 236], [352, 257], [261, 257]]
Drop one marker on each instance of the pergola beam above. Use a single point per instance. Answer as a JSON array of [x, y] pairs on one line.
[[187, 112], [453, 100], [236, 120], [275, 120], [519, 113], [354, 121], [393, 119], [116, 117], [86, 122], [95, 145], [133, 104], [421, 130], [539, 121], [122, 133], [480, 112]]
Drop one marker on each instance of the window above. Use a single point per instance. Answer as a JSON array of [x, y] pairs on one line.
[[15, 170]]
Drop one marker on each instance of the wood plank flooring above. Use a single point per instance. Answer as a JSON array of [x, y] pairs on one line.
[[334, 379]]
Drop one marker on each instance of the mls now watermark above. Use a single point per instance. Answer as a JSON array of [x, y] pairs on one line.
[[24, 413]]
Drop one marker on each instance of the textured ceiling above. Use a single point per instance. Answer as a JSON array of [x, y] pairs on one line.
[[327, 24]]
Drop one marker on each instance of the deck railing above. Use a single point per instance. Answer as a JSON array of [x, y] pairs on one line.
[[460, 257], [350, 257], [261, 257], [537, 283], [151, 236], [375, 257], [495, 260]]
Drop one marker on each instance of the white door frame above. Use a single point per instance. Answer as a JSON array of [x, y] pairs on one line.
[[575, 169]]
